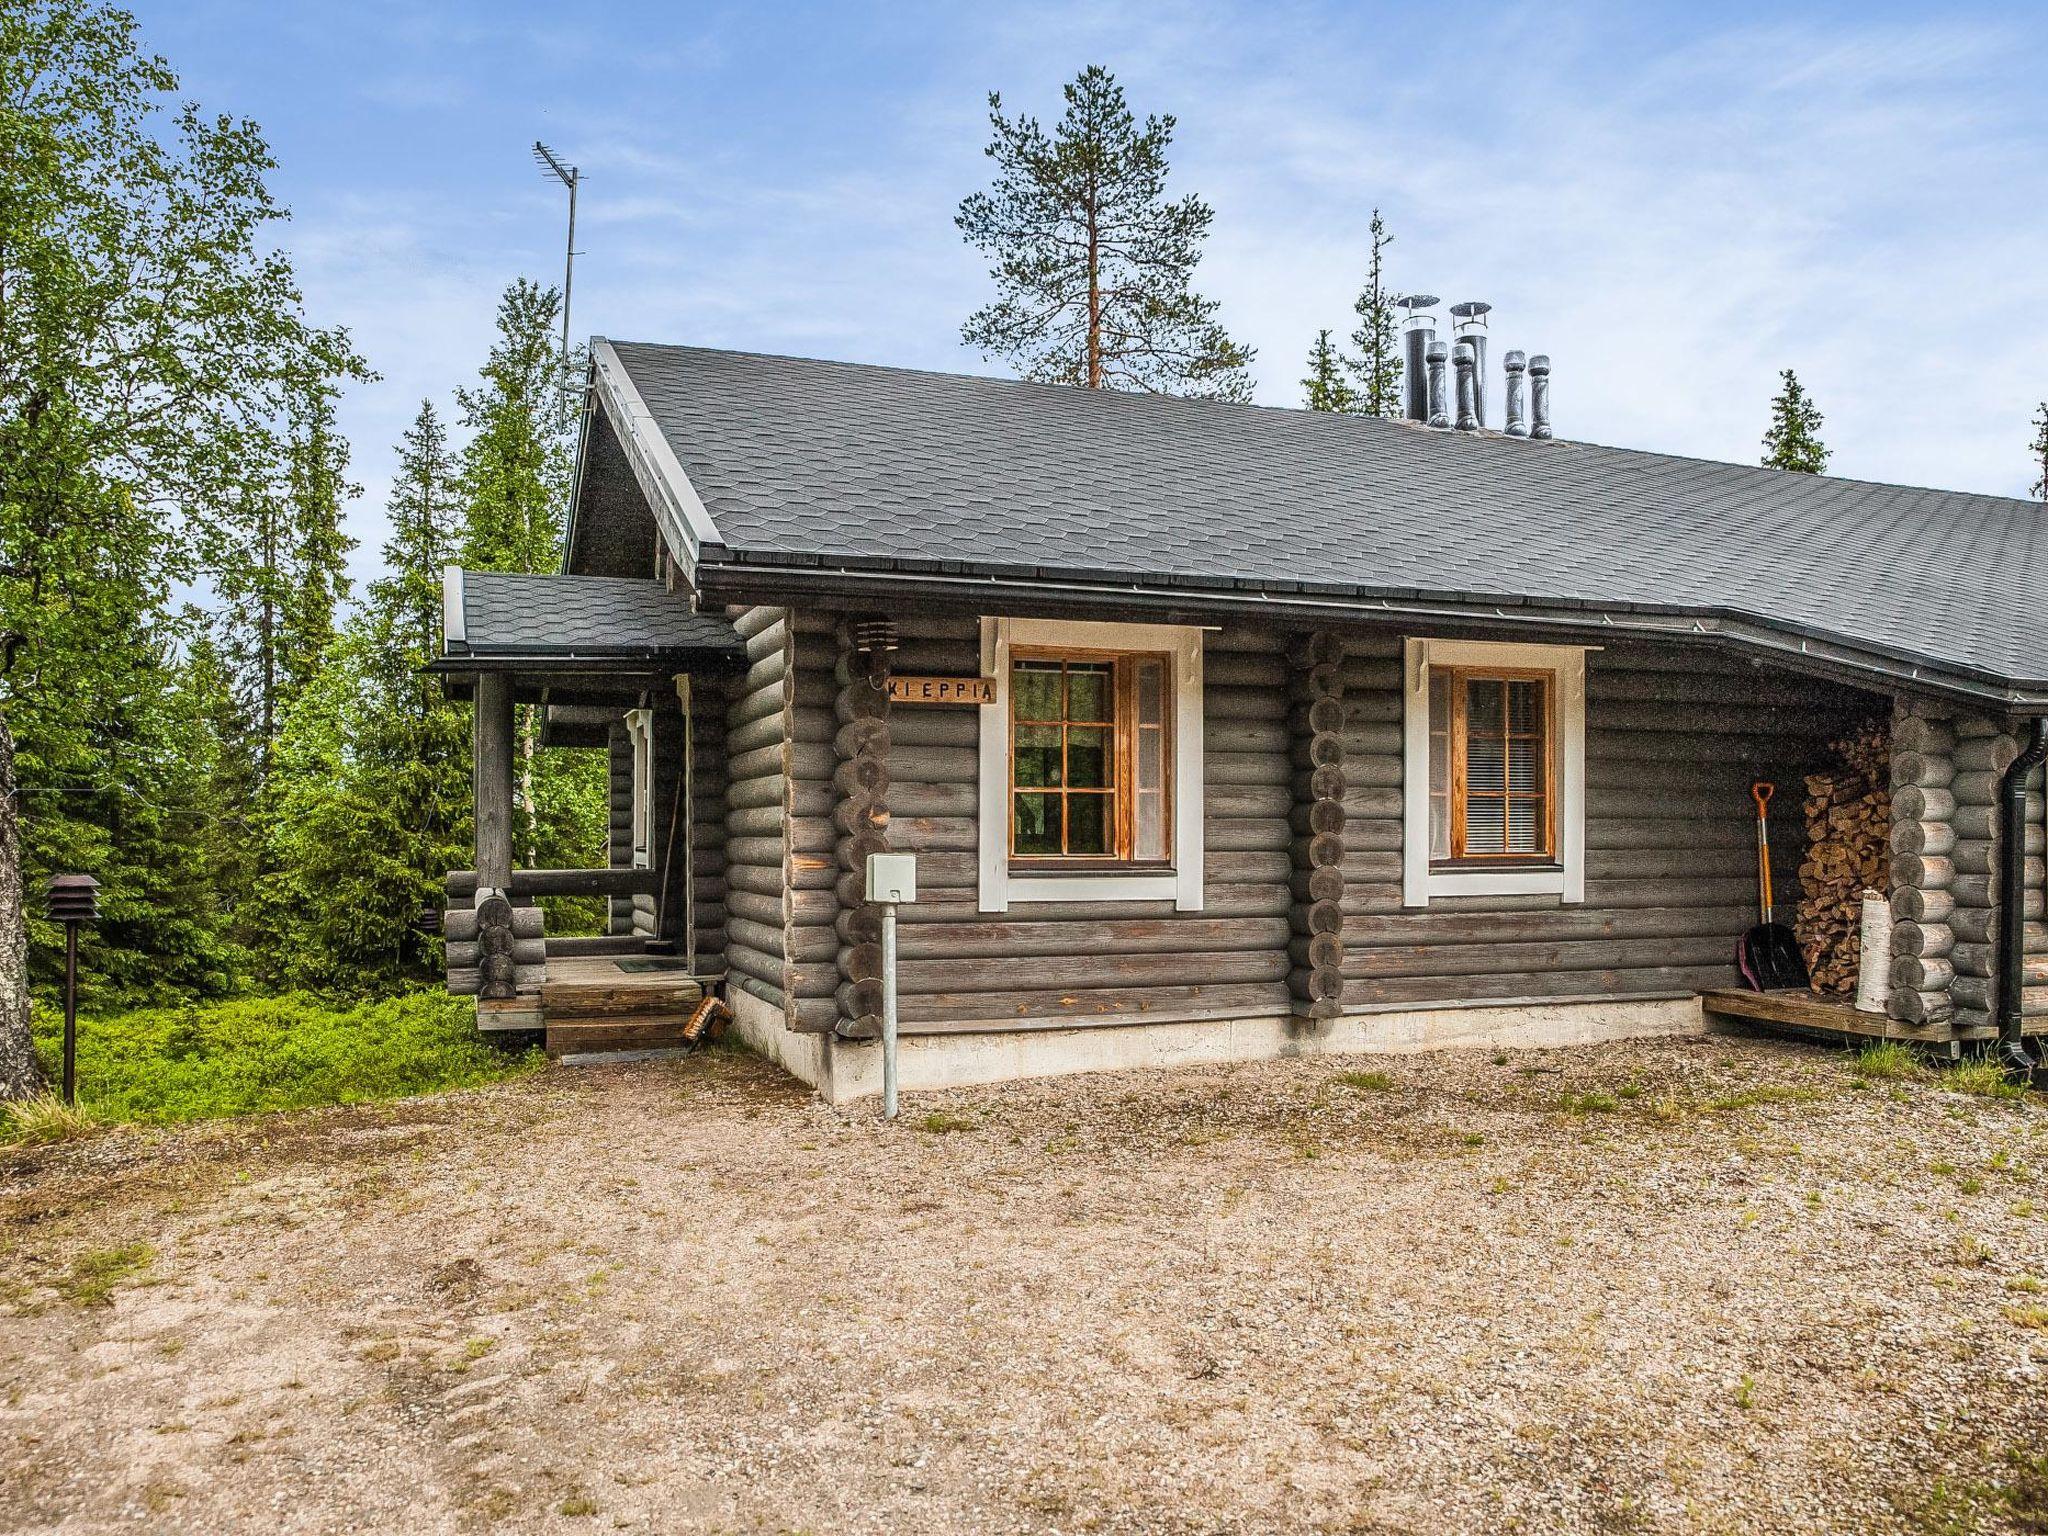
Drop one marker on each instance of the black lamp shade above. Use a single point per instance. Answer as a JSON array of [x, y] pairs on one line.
[[73, 899]]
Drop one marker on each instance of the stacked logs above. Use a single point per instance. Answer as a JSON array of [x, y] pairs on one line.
[[1923, 867], [1848, 817], [494, 949], [1982, 754], [860, 815], [1316, 726]]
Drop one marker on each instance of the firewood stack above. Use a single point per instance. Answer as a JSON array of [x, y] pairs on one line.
[[1848, 832]]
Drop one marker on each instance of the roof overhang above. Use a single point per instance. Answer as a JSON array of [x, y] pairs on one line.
[[726, 575]]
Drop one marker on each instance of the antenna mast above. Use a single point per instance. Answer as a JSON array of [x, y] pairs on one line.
[[570, 177]]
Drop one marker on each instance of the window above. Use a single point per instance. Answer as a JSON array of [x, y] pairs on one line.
[[1090, 763], [640, 731], [1491, 773], [1088, 754], [1494, 770]]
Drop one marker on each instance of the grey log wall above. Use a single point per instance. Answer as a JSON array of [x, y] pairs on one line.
[[1946, 770], [1674, 738]]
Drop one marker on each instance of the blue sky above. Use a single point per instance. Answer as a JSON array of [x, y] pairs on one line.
[[1674, 202]]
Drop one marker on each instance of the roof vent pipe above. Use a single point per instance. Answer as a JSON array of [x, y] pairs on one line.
[[1516, 366], [1467, 360], [2012, 902], [1471, 327], [1439, 416], [1419, 331], [1539, 396]]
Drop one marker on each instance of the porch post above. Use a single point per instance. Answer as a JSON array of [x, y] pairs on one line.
[[493, 780]]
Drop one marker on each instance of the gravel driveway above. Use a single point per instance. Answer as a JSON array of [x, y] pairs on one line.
[[1719, 1285]]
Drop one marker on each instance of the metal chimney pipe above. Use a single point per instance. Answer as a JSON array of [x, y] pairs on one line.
[[1539, 396], [1467, 361], [1438, 415], [1419, 331], [1516, 366], [1471, 327]]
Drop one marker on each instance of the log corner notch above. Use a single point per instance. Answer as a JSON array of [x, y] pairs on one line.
[[1315, 979], [860, 814], [1923, 878]]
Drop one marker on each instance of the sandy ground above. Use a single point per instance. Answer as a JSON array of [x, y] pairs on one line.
[[1744, 1291]]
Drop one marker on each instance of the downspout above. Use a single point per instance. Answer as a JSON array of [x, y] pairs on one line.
[[2012, 907]]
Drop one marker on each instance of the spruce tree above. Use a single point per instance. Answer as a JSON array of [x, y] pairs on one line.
[[1375, 363], [514, 470], [1325, 388], [1793, 441], [1092, 263], [2039, 449]]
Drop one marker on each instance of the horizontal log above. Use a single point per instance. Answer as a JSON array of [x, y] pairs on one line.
[[1979, 992], [948, 1012], [1188, 934], [1316, 951], [1316, 984], [1910, 1007], [1922, 973], [1993, 754], [1911, 938], [1573, 955], [810, 1015], [1363, 992], [1913, 734], [1928, 871], [459, 924], [1913, 802], [560, 882], [1914, 904], [1981, 960], [1975, 788], [1450, 929], [1924, 769], [1983, 821], [464, 954], [1084, 972], [1935, 837]]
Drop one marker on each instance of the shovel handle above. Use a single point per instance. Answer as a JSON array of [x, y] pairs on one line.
[[1761, 792]]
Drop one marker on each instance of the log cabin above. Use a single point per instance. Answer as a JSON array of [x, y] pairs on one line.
[[1224, 731]]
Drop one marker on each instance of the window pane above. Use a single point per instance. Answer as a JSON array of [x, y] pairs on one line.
[[1525, 764], [1525, 826], [1485, 830], [1088, 762], [1525, 706], [1151, 691], [1038, 756], [1439, 701], [1483, 706], [1037, 824], [1485, 764], [1439, 827], [1035, 690], [1088, 820], [1089, 694], [1150, 841], [1151, 759]]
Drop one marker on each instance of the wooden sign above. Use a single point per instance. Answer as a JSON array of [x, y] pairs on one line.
[[942, 690]]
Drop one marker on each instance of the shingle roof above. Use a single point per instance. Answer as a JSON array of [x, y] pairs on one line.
[[516, 615], [820, 462]]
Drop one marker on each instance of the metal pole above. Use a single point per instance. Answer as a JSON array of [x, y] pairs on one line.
[[888, 1010], [569, 263], [71, 1013]]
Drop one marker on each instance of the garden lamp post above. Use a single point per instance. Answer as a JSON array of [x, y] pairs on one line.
[[72, 900]]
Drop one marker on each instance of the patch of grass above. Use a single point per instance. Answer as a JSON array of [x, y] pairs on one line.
[[940, 1123], [2028, 1315], [1983, 1077], [202, 1060], [1745, 1393], [91, 1279], [1888, 1059], [2025, 1285], [577, 1506], [1591, 1102], [1365, 1082], [44, 1119]]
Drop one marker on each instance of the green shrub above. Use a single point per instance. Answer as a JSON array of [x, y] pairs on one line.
[[42, 1120], [161, 1065], [1888, 1059]]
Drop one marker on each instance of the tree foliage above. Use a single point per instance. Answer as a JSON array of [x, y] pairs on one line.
[[1326, 388], [1375, 359], [149, 347], [1093, 265], [1793, 441], [2038, 448]]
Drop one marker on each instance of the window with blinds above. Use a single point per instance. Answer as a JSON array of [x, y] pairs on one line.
[[1492, 766], [1090, 753]]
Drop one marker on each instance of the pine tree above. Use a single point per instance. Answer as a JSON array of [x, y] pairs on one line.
[[1092, 264], [1325, 388], [148, 341], [317, 477], [1793, 441], [514, 471], [425, 518], [1376, 361], [2039, 449]]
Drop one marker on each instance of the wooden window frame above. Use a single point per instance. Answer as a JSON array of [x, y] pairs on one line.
[[1122, 790], [1459, 679]]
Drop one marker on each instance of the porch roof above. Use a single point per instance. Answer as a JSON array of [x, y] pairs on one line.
[[497, 621], [777, 477]]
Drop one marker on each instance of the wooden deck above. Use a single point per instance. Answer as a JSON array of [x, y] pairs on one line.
[[1801, 1011], [592, 1003]]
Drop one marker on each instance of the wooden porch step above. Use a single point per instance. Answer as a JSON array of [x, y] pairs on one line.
[[628, 996], [633, 1032]]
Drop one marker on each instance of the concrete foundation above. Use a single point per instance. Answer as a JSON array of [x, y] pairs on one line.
[[843, 1070]]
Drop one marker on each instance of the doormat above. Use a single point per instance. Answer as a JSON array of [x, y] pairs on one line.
[[653, 963]]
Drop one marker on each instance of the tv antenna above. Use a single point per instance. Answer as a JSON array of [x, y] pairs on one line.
[[570, 177]]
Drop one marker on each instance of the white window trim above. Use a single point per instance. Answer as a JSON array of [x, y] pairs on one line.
[[1418, 881], [1182, 885], [640, 732]]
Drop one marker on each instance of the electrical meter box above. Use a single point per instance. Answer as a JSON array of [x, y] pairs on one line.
[[892, 877]]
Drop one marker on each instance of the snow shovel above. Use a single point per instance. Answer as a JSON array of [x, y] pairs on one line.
[[1768, 955]]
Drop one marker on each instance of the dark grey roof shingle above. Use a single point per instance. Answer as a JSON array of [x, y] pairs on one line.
[[512, 614], [801, 458]]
